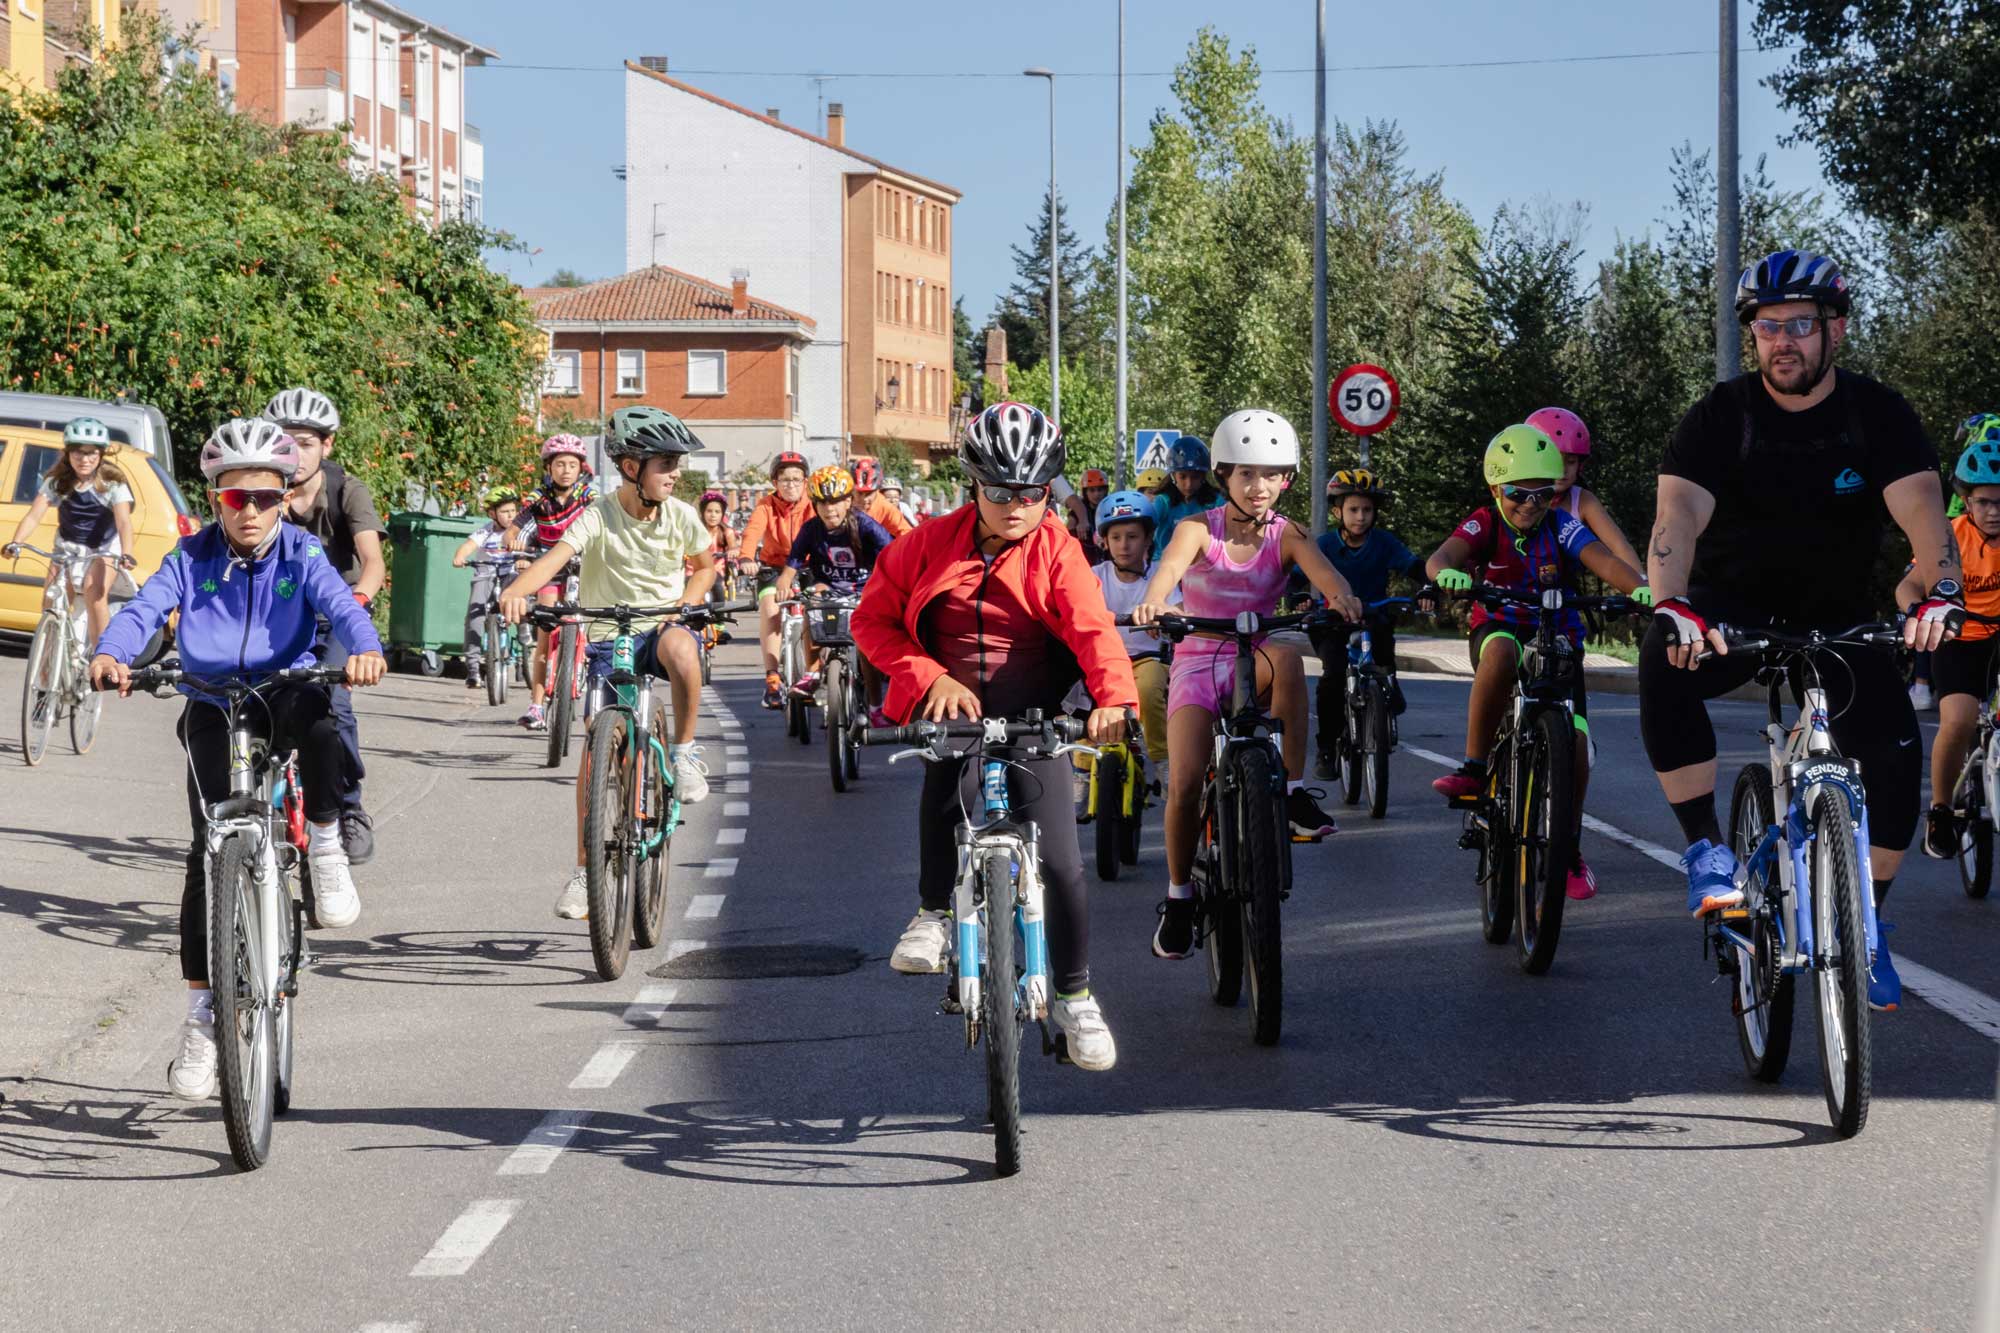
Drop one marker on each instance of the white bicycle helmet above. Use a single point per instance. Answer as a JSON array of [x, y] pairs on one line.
[[244, 442], [1255, 438], [86, 433], [304, 407], [1012, 444]]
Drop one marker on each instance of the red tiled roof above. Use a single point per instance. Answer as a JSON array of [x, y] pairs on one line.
[[651, 295]]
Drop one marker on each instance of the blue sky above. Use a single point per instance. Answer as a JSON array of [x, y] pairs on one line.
[[1599, 133]]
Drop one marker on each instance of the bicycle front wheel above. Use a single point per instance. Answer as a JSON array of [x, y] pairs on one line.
[[41, 688], [1762, 998], [1108, 782], [857, 715], [84, 715], [836, 720], [244, 1041], [1375, 752], [998, 988], [1840, 974], [1975, 832], [284, 1024], [497, 663], [1544, 834], [1350, 756], [1263, 869], [649, 872], [607, 885]]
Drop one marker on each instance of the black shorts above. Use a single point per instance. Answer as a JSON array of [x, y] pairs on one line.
[[1964, 667], [767, 578], [1579, 698]]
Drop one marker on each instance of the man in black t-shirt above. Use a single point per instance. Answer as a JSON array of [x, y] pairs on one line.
[[1773, 496]]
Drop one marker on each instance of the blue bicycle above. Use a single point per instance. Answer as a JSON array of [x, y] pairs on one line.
[[999, 975], [1808, 896], [1368, 734]]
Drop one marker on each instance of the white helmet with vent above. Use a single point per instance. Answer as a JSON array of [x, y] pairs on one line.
[[1255, 438]]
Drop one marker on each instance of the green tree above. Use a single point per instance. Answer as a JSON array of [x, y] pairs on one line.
[[1023, 312], [1089, 410], [964, 358], [567, 277]]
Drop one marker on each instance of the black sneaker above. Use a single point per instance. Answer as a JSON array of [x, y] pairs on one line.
[[1173, 939], [1941, 834], [474, 681], [357, 836], [1309, 822], [774, 697]]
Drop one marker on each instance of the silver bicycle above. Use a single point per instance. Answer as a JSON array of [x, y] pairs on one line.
[[57, 684]]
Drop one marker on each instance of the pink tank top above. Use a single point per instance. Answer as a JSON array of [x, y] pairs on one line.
[[1215, 585]]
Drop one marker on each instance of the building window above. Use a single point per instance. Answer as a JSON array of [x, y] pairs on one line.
[[631, 371], [564, 378], [708, 374], [792, 385], [475, 200]]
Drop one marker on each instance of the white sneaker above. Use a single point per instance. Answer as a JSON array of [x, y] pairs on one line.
[[191, 1074], [1089, 1040], [921, 950], [573, 903], [690, 776], [335, 902], [1921, 699]]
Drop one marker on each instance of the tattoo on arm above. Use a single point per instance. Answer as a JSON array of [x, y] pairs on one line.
[[1948, 555], [1660, 547]]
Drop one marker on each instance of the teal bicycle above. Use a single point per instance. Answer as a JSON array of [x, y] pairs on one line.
[[630, 811]]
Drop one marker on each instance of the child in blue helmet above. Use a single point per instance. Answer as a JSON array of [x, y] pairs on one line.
[[1124, 525], [1190, 490]]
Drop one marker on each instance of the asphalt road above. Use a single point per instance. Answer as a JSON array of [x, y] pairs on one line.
[[487, 1137]]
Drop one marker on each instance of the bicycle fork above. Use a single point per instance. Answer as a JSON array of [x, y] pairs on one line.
[[1025, 911]]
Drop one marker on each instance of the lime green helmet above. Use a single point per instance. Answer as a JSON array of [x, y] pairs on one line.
[[1522, 453]]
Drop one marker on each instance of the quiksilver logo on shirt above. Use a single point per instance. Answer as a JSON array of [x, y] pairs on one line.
[[1848, 482]]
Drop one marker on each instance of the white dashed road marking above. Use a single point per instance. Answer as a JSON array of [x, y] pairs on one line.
[[459, 1248], [722, 867], [605, 1066], [675, 948], [545, 1142], [651, 1006], [736, 809], [730, 837], [704, 906]]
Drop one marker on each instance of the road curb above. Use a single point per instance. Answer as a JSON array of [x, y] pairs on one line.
[[1446, 657]]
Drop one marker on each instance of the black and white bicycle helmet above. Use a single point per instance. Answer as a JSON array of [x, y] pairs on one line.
[[304, 407], [245, 442], [1012, 444]]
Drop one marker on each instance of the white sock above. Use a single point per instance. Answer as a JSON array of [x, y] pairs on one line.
[[1294, 785], [201, 1006], [674, 752], [1179, 891], [322, 839]]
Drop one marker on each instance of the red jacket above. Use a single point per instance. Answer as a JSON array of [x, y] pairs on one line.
[[1045, 569]]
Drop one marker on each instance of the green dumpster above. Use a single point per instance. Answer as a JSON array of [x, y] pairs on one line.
[[427, 596]]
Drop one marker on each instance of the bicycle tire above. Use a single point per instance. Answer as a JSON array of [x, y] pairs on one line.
[[1762, 999], [1264, 853], [84, 716], [283, 1026], [243, 1037], [497, 664], [1348, 749], [997, 990], [649, 874], [857, 715], [560, 666], [1496, 850], [1975, 834], [1544, 834], [607, 888], [1222, 924], [40, 703], [802, 726], [1135, 819], [835, 682], [1375, 751], [1109, 812], [1846, 1071], [578, 649]]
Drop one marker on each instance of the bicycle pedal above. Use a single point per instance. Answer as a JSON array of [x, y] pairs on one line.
[[1735, 914], [1462, 802], [1059, 1048]]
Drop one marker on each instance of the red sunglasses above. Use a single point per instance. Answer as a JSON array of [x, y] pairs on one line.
[[242, 497]]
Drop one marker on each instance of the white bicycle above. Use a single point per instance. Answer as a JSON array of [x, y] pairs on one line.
[[57, 684]]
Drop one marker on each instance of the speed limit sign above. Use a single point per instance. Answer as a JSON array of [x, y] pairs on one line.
[[1364, 399]]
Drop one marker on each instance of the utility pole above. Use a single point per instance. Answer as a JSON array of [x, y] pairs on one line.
[[1124, 447], [1055, 262], [1319, 281], [1728, 211]]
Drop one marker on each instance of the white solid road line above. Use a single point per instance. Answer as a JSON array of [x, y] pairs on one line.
[[704, 906], [605, 1066], [722, 867], [392, 1328], [1976, 1009], [459, 1248], [545, 1142], [730, 837], [650, 1007]]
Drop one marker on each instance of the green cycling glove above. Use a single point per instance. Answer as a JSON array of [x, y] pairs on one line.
[[1454, 580], [1643, 595]]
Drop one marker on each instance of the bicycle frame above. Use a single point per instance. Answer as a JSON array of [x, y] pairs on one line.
[[974, 913], [627, 692], [1131, 789]]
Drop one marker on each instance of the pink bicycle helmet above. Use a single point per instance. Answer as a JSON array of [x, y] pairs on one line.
[[1565, 427], [564, 444]]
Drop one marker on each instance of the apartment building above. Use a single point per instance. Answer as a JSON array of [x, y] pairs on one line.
[[860, 246], [398, 81], [37, 37], [725, 362]]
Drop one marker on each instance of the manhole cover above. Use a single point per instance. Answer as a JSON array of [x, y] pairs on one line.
[[750, 962]]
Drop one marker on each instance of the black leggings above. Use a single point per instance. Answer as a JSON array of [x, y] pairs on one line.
[[300, 718], [1330, 644], [1869, 714], [1040, 791]]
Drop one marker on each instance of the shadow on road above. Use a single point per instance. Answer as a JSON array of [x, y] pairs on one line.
[[131, 924], [454, 958], [71, 1131]]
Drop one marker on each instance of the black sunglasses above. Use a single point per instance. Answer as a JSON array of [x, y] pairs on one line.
[[1015, 495], [1529, 495]]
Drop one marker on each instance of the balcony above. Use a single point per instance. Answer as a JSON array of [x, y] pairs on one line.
[[318, 105]]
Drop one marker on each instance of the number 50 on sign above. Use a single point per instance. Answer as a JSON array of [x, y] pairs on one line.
[[1364, 399]]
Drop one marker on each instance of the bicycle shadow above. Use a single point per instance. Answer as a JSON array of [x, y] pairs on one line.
[[454, 958], [53, 1130], [133, 853], [133, 923]]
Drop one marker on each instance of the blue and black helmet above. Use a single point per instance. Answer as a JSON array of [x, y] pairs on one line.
[[1121, 506], [1791, 275], [1189, 454], [1979, 465]]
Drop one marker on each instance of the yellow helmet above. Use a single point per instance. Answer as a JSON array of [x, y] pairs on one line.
[[830, 483], [1356, 481], [1151, 479], [1522, 453]]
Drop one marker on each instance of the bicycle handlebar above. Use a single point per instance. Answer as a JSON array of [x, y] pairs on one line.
[[1173, 625], [56, 557], [994, 731], [1493, 596], [1870, 632], [146, 678], [700, 613]]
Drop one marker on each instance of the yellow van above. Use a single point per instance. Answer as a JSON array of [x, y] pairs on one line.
[[31, 427]]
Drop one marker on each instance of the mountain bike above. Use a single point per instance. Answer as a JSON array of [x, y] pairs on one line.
[[1524, 826], [57, 682], [843, 691], [1243, 862], [630, 810], [1116, 796], [501, 646], [1808, 894], [565, 668], [258, 893], [1975, 793], [792, 667], [1368, 736], [998, 960]]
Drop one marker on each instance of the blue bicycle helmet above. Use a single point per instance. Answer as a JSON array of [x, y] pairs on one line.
[[1977, 427], [1979, 465], [1119, 506], [1189, 454], [1790, 275]]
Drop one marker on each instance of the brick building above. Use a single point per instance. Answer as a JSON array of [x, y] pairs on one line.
[[723, 361], [862, 247], [38, 37]]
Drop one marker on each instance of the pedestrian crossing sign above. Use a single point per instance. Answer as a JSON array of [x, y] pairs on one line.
[[1149, 448]]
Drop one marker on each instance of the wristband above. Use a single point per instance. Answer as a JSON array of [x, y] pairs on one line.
[[361, 598]]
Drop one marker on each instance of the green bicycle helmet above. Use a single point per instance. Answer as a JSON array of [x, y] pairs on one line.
[[1979, 465], [502, 495], [648, 432], [86, 433], [1522, 453]]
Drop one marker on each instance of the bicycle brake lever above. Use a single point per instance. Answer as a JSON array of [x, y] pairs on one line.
[[1075, 747]]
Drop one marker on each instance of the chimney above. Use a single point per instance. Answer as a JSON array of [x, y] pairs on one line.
[[996, 363], [739, 291], [658, 64], [836, 124], [771, 113]]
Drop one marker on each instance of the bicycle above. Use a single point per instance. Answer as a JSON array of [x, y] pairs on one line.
[[1975, 794], [1368, 735], [565, 665], [630, 811], [998, 977], [1524, 824], [1243, 862], [792, 669], [57, 682], [1116, 797], [1816, 914], [258, 891], [502, 647], [843, 690]]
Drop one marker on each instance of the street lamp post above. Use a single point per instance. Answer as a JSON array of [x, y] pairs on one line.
[[1055, 270], [1119, 412], [1319, 404]]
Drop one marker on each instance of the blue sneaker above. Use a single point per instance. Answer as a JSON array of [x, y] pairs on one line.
[[1711, 872], [1885, 988]]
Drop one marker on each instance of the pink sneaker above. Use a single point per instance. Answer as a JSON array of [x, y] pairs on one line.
[[1458, 784], [1582, 881]]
